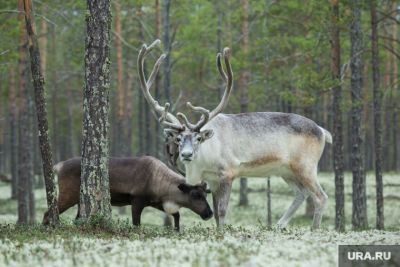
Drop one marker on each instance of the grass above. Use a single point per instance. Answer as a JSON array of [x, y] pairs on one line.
[[246, 241]]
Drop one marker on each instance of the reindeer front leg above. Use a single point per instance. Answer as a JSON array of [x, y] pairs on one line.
[[221, 196], [137, 206]]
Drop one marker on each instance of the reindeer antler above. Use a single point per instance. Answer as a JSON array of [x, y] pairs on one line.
[[165, 117], [207, 115]]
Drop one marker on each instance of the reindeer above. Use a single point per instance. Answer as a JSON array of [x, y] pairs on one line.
[[139, 182], [221, 147]]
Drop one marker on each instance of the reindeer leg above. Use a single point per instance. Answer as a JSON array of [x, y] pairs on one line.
[[300, 195], [215, 205], [319, 198], [137, 206], [176, 220], [222, 197]]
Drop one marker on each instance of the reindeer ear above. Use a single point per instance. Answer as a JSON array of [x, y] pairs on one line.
[[206, 134], [185, 188], [169, 133]]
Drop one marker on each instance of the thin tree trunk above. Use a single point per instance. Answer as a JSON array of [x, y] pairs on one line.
[[359, 216], [395, 84], [141, 104], [54, 101], [147, 118], [157, 83], [25, 166], [269, 213], [244, 83], [120, 131], [129, 110], [45, 148], [377, 95], [337, 121], [95, 191], [13, 135], [167, 49]]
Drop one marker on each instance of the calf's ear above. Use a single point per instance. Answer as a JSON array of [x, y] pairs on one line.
[[184, 188], [169, 133]]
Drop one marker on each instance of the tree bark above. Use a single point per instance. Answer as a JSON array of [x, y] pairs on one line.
[[120, 131], [13, 135], [95, 191], [244, 83], [25, 164], [377, 95], [54, 100], [359, 216], [269, 213], [337, 120], [395, 84], [41, 111], [157, 84], [167, 49]]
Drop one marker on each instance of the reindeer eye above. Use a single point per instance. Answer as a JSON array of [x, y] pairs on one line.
[[198, 139], [196, 195], [178, 139]]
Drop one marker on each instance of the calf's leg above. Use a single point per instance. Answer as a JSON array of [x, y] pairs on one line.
[[138, 204], [176, 221]]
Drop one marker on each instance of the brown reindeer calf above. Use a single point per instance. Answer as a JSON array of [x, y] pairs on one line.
[[139, 182]]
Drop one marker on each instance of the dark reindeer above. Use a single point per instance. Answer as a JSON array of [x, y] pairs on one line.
[[140, 182], [222, 147]]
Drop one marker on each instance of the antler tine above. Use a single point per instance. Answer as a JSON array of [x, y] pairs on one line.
[[207, 115], [163, 117], [204, 118], [228, 78], [184, 120], [155, 70], [219, 66]]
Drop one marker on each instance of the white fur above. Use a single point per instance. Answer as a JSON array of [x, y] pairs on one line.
[[234, 152], [58, 167], [170, 207]]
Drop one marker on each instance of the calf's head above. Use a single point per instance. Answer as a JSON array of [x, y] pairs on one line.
[[194, 197]]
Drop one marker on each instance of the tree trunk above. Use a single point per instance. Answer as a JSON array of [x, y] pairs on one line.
[[359, 216], [120, 107], [337, 120], [167, 49], [54, 100], [377, 95], [41, 111], [129, 110], [13, 134], [25, 164], [146, 116], [244, 83], [141, 102], [158, 148], [95, 191], [395, 84], [269, 213]]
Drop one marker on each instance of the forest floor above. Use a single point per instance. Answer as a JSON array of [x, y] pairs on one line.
[[246, 241]]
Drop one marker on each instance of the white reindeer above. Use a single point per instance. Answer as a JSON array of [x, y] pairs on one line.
[[222, 147]]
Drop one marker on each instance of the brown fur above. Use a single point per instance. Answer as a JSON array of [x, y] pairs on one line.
[[140, 182], [261, 161]]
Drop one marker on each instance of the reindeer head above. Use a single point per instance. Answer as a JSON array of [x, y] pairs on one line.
[[182, 137]]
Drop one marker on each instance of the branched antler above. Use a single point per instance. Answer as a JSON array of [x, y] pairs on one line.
[[207, 115], [166, 118]]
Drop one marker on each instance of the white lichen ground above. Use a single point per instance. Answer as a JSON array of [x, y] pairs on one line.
[[246, 242]]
